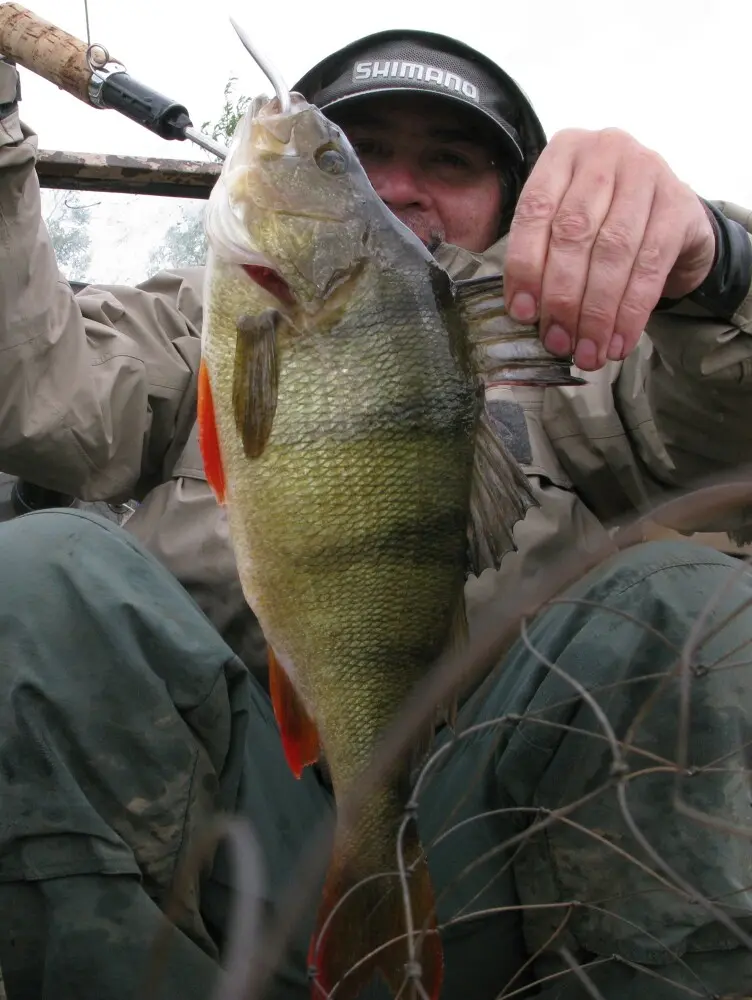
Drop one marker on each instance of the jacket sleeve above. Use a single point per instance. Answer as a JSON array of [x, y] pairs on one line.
[[686, 393], [92, 387]]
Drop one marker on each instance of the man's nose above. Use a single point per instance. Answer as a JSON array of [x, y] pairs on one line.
[[400, 185]]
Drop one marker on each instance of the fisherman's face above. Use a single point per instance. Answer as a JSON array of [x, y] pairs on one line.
[[431, 166]]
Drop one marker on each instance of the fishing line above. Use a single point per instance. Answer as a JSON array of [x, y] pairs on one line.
[[270, 71], [88, 31]]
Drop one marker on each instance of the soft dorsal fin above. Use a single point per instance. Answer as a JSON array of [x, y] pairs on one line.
[[300, 739], [500, 496], [208, 438]]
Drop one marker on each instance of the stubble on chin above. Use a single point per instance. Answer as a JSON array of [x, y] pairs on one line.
[[427, 232]]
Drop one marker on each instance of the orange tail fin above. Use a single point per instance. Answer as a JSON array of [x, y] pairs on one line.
[[208, 437], [367, 934]]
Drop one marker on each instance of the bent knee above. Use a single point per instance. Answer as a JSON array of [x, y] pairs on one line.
[[59, 544], [677, 573], [672, 553]]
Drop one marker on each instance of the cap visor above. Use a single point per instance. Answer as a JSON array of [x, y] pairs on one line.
[[510, 143]]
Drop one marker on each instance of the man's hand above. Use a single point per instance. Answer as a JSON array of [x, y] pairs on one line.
[[603, 229], [10, 88], [10, 94]]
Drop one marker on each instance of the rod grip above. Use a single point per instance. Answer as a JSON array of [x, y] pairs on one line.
[[145, 106]]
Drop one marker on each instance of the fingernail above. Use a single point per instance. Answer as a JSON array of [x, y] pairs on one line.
[[615, 348], [586, 355], [523, 307], [557, 340]]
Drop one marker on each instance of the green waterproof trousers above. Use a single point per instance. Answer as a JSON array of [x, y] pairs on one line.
[[592, 839]]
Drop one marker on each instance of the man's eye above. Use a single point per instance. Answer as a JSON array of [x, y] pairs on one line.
[[368, 148], [448, 158]]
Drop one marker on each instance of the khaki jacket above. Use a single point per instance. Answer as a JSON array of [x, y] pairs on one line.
[[98, 400]]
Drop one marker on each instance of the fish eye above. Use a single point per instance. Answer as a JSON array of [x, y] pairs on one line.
[[330, 160]]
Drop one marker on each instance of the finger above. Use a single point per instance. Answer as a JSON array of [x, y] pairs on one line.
[[573, 233], [530, 232], [615, 250], [661, 245]]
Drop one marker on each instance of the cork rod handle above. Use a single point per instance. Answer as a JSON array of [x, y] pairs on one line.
[[45, 49]]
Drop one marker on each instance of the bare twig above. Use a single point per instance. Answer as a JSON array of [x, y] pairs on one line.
[[588, 985]]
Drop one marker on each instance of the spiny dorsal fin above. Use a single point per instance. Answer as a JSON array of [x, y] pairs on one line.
[[505, 352], [255, 379], [500, 496]]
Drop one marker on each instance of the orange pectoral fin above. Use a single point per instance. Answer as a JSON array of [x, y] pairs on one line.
[[300, 740], [208, 437]]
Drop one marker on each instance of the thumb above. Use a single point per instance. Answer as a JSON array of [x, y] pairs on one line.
[[697, 256], [10, 83]]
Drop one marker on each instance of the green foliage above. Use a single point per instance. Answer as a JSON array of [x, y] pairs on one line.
[[68, 226], [233, 110], [184, 242]]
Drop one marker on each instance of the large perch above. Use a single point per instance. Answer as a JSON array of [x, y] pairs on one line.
[[45, 50]]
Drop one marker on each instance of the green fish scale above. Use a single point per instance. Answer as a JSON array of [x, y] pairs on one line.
[[350, 529]]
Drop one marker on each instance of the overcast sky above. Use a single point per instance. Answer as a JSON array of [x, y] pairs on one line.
[[674, 73]]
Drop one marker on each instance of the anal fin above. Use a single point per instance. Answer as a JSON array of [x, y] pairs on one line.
[[505, 352], [208, 437], [500, 496], [300, 738]]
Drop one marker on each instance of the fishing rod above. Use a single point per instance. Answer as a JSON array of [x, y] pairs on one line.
[[89, 73]]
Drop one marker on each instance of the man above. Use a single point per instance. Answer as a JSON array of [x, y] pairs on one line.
[[126, 720]]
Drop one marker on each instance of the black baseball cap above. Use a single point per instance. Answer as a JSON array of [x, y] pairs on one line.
[[420, 61]]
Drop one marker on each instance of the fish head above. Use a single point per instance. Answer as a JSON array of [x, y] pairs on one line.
[[293, 198]]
